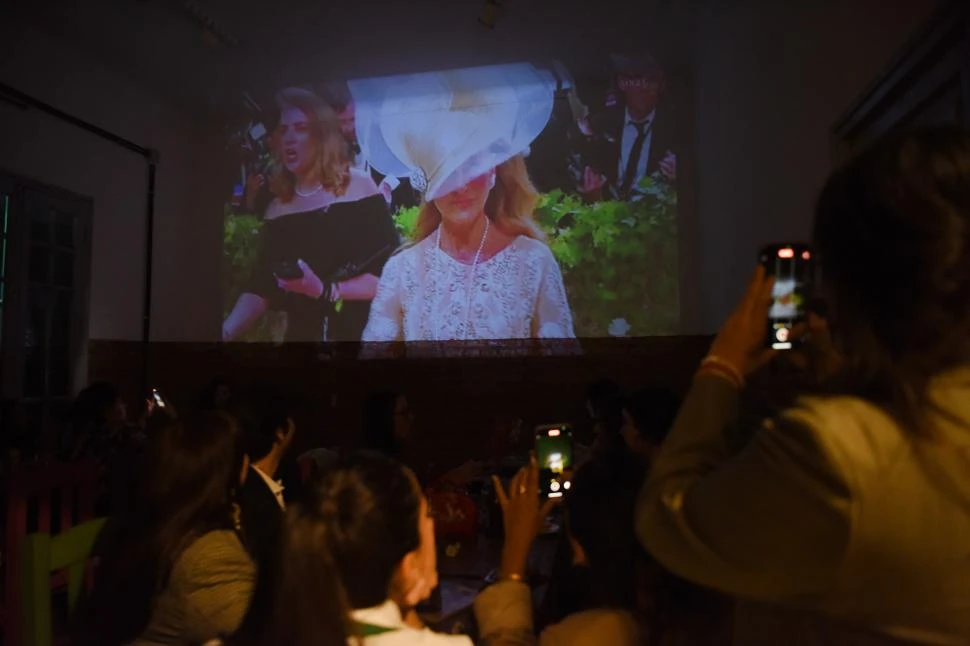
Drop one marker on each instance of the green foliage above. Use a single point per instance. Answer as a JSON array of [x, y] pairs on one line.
[[240, 249], [405, 220], [619, 259]]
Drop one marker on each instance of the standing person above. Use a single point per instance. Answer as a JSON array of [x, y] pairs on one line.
[[633, 139], [846, 518], [478, 267], [648, 415], [269, 436], [327, 232]]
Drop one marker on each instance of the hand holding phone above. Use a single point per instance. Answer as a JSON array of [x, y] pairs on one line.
[[554, 455]]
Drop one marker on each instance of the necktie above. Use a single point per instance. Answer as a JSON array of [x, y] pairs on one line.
[[643, 129]]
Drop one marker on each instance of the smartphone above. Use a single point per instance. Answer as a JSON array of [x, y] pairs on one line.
[[287, 270], [554, 453], [793, 266], [157, 398]]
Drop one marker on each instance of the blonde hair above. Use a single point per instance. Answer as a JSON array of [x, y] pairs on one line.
[[331, 166], [510, 205]]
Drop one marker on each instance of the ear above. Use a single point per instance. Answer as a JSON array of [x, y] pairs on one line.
[[410, 584]]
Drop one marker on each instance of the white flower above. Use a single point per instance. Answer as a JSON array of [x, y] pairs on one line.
[[618, 327]]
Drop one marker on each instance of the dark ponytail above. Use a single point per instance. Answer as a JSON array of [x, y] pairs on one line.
[[298, 600]]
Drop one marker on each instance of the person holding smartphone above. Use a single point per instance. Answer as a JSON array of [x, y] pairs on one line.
[[845, 518], [326, 217], [607, 560]]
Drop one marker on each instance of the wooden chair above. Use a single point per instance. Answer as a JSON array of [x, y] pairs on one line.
[[76, 487], [44, 556]]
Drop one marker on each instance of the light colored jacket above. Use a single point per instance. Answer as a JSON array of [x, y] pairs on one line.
[[504, 615], [207, 595], [832, 511]]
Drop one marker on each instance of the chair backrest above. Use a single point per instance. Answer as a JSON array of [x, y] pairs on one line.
[[76, 486], [43, 555]]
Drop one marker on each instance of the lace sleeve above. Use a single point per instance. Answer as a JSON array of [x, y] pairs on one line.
[[553, 318], [386, 312]]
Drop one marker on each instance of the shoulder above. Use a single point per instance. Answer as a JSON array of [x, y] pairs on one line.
[[608, 119], [428, 638], [848, 437], [606, 626], [410, 255], [274, 210], [535, 251], [221, 547], [532, 247], [361, 185]]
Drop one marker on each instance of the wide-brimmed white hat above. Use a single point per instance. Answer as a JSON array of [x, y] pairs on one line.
[[444, 129]]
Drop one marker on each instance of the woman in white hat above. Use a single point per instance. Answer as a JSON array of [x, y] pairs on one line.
[[477, 267]]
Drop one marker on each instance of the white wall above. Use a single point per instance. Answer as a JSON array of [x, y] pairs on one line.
[[772, 78], [39, 147]]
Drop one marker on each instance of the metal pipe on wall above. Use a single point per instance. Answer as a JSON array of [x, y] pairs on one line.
[[151, 157]]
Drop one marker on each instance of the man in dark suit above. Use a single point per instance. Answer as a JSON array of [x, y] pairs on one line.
[[630, 139], [269, 433]]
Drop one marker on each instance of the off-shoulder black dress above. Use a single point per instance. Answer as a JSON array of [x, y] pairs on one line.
[[338, 242]]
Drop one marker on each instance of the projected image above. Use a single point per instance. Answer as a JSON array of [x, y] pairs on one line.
[[503, 202], [786, 299]]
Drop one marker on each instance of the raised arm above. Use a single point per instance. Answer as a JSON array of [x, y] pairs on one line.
[[771, 524]]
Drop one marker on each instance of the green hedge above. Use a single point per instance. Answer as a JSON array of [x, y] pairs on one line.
[[619, 259]]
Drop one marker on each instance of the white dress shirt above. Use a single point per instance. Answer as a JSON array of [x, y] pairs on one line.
[[274, 485], [626, 148], [388, 615]]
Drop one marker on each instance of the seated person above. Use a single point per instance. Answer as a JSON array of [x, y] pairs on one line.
[[603, 404], [609, 564], [648, 415], [367, 520], [388, 422], [173, 569]]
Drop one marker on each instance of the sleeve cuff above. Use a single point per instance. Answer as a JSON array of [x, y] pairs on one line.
[[504, 607]]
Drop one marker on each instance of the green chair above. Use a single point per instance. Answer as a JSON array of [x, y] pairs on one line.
[[45, 555]]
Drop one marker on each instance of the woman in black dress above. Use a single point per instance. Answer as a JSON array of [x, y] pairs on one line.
[[327, 232]]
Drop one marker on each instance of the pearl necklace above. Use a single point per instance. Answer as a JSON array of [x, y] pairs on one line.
[[471, 274], [309, 193]]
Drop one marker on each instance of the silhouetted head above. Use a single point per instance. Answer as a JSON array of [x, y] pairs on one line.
[[892, 234]]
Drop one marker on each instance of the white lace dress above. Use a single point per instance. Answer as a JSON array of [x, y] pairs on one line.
[[426, 295]]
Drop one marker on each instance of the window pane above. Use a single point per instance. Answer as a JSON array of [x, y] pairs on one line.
[[61, 320], [64, 230], [40, 264], [59, 375], [40, 227], [34, 370], [63, 268]]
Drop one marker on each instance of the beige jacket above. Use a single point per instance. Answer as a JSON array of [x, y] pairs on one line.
[[504, 616], [832, 511], [207, 595]]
